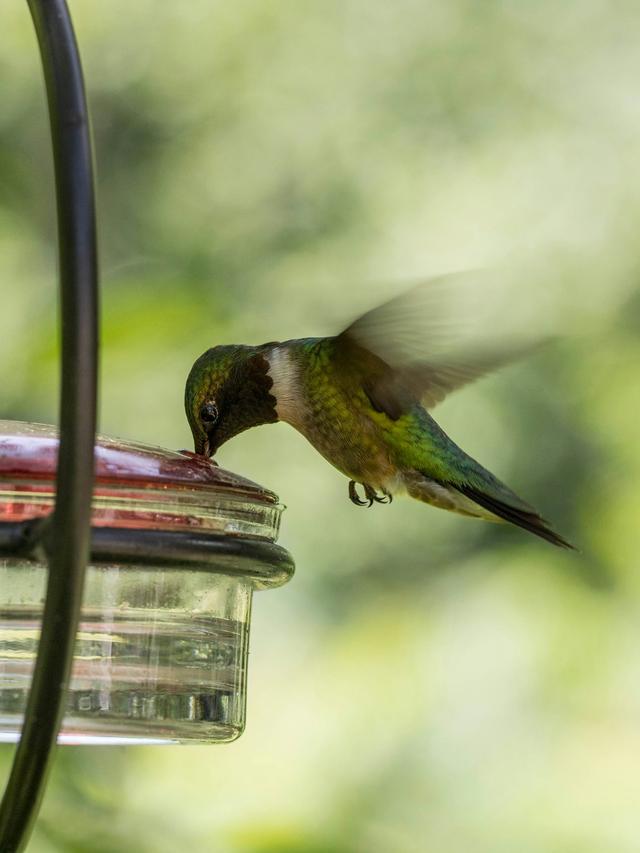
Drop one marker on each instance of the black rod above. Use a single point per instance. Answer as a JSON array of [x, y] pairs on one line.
[[69, 534]]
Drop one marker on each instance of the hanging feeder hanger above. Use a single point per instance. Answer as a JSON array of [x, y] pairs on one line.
[[67, 529]]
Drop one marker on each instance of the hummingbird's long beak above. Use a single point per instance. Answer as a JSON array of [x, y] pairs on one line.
[[203, 447]]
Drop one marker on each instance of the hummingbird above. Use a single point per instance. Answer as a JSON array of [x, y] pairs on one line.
[[363, 399]]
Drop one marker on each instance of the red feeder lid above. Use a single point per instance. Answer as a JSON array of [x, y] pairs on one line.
[[136, 485]]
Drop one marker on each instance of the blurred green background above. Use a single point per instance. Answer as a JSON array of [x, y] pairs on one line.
[[268, 170]]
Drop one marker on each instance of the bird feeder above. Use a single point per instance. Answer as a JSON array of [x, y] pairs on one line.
[[178, 546], [125, 597]]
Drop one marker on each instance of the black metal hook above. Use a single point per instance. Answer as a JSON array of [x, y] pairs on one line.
[[68, 554]]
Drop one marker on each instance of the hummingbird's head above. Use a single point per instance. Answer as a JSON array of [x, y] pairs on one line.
[[227, 392]]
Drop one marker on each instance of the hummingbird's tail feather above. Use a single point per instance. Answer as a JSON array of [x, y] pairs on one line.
[[422, 487], [475, 501], [528, 519]]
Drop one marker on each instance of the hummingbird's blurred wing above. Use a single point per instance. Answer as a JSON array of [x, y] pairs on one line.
[[429, 341]]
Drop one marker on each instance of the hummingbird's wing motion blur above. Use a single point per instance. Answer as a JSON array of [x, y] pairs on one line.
[[428, 340], [361, 399]]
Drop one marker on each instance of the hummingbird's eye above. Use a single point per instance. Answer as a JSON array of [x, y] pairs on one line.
[[209, 413]]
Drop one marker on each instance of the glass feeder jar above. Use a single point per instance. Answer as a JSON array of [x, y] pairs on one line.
[[178, 546]]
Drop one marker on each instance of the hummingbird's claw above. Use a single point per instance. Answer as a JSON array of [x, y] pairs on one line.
[[384, 498], [371, 495], [355, 498]]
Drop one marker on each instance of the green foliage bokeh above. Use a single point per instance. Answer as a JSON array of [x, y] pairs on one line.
[[267, 170]]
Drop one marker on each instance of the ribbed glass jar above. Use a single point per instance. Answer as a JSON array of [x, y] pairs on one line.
[[178, 546]]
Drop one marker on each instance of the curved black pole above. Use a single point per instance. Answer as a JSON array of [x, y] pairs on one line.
[[69, 532]]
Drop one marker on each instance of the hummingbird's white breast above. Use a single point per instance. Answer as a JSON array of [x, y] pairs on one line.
[[285, 374]]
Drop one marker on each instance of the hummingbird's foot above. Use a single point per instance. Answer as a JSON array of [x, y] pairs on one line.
[[372, 495], [355, 498]]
